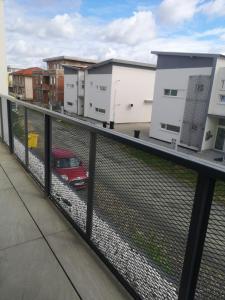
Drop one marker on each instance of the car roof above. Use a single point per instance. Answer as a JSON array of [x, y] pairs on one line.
[[62, 153]]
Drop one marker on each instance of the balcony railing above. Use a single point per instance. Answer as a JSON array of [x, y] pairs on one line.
[[154, 216]]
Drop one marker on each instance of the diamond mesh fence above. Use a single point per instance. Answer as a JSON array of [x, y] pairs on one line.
[[36, 144], [211, 280], [142, 205], [70, 155], [142, 213], [18, 130]]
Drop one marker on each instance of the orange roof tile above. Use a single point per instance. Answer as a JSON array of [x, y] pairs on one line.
[[27, 72]]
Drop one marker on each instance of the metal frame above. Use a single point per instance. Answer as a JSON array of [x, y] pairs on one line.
[[208, 173], [91, 181], [9, 112], [48, 148], [1, 116]]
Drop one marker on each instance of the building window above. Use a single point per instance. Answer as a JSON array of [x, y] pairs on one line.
[[70, 85], [101, 110], [222, 98], [168, 92], [70, 103], [90, 104], [222, 122], [199, 87], [170, 127], [102, 87], [91, 83], [82, 84], [223, 84]]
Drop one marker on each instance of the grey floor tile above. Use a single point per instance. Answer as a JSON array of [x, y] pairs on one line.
[[4, 181], [86, 271], [46, 215], [16, 225], [31, 272]]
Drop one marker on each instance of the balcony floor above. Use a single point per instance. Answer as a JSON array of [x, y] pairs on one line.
[[41, 256]]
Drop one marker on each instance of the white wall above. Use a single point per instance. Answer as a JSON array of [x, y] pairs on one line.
[[211, 125], [3, 69], [216, 107], [70, 94], [97, 97], [131, 86], [167, 109], [28, 88], [3, 64]]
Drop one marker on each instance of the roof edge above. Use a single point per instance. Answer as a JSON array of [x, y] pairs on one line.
[[190, 54], [123, 62]]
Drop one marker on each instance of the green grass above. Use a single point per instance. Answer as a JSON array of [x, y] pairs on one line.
[[178, 172], [154, 249]]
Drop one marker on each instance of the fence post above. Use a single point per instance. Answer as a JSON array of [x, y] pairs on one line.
[[9, 111], [26, 136], [196, 236], [92, 160], [48, 146], [1, 116]]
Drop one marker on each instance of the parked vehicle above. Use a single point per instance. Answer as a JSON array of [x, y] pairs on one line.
[[70, 168]]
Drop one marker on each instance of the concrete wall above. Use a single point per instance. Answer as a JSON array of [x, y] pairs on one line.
[[3, 69], [3, 64], [169, 109], [97, 98], [131, 86], [28, 88], [70, 93], [216, 106]]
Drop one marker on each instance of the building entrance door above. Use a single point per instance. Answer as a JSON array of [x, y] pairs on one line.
[[220, 138]]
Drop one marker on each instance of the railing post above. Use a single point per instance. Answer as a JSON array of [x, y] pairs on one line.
[[196, 237], [1, 116], [26, 137], [9, 111], [91, 180], [48, 145]]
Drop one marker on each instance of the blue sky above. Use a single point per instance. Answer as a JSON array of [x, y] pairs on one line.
[[102, 29]]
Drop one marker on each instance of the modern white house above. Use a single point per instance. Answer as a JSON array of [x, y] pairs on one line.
[[74, 89], [189, 100], [119, 91]]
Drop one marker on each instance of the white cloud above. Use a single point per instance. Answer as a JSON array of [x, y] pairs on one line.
[[214, 8], [137, 28], [177, 11]]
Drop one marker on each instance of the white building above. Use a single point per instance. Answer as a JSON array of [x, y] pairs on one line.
[[189, 100], [74, 89], [120, 91]]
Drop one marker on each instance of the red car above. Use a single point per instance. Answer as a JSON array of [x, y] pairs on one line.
[[70, 168]]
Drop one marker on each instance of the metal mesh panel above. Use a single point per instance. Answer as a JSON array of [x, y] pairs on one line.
[[211, 281], [36, 144], [142, 211], [70, 155], [18, 130]]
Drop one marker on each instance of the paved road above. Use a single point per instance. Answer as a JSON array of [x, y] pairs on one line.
[[143, 202]]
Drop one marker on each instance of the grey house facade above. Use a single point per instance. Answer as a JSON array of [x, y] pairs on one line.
[[189, 99]]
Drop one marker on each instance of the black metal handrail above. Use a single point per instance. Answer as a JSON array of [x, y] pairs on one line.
[[207, 172]]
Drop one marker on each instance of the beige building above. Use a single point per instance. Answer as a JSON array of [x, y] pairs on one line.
[[23, 83]]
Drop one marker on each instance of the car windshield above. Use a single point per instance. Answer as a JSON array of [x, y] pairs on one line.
[[70, 162]]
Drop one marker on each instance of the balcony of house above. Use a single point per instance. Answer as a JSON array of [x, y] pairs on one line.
[[88, 213], [41, 255]]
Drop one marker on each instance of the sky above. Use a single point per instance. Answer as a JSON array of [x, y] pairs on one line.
[[103, 29]]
